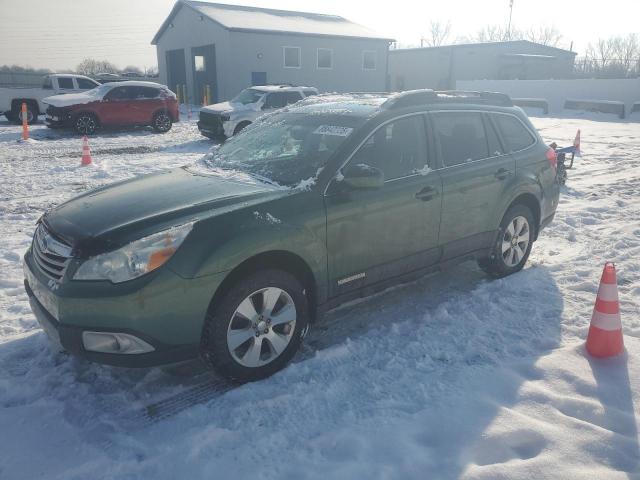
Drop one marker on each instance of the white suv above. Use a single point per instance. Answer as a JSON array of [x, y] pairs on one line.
[[228, 118]]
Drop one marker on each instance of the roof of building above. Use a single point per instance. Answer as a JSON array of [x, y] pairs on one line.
[[513, 43], [265, 20]]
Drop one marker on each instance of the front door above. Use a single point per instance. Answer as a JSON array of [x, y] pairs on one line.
[[115, 108], [475, 173], [376, 234]]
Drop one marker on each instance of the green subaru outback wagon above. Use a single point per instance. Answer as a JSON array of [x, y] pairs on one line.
[[232, 258]]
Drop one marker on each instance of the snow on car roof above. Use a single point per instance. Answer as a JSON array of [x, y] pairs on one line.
[[134, 83], [280, 88]]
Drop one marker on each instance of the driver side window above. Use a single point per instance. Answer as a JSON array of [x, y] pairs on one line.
[[275, 100], [118, 94], [397, 148]]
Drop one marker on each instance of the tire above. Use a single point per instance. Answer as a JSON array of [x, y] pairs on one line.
[[10, 116], [241, 340], [32, 113], [509, 253], [161, 122], [241, 126], [85, 123]]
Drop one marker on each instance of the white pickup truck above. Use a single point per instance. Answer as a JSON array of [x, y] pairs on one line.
[[11, 98]]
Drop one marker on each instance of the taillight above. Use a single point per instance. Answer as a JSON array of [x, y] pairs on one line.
[[552, 156]]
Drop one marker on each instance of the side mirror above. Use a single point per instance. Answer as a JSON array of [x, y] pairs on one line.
[[363, 176]]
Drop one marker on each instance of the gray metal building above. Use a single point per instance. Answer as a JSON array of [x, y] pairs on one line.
[[230, 47], [441, 67]]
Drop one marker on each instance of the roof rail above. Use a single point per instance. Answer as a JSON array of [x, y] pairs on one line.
[[490, 98], [411, 98]]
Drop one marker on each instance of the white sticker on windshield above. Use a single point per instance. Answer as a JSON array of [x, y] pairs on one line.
[[333, 130]]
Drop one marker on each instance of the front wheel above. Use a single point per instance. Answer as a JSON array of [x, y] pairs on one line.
[[86, 124], [513, 245], [256, 327], [161, 122]]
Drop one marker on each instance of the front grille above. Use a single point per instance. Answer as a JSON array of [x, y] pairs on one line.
[[212, 122], [49, 254]]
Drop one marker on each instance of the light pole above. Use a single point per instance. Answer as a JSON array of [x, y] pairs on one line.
[[510, 14]]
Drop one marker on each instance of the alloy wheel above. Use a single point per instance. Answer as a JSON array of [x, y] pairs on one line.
[[261, 327], [163, 122], [515, 241], [85, 124]]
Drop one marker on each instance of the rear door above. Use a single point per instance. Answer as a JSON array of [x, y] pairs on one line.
[[475, 172], [376, 234], [145, 101]]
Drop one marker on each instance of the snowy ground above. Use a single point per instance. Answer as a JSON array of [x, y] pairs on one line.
[[452, 376]]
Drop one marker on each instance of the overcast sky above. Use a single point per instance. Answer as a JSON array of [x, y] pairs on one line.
[[58, 34]]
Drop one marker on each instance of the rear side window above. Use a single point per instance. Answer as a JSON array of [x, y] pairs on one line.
[[85, 84], [119, 93], [514, 133], [495, 148], [65, 83], [460, 136], [47, 84]]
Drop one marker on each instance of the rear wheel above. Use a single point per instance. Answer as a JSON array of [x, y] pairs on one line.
[[513, 245], [86, 124], [256, 327], [161, 122]]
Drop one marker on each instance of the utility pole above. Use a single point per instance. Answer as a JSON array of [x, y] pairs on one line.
[[510, 14]]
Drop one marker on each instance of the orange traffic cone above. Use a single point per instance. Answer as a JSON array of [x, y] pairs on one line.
[[86, 153], [605, 332], [25, 123]]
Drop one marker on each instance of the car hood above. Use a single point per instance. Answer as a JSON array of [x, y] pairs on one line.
[[150, 202], [69, 99], [227, 107]]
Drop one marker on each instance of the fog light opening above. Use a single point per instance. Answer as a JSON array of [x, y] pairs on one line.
[[108, 342]]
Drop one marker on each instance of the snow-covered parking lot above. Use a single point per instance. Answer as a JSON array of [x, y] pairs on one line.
[[451, 376]]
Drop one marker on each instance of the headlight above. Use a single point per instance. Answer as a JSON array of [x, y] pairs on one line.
[[135, 259]]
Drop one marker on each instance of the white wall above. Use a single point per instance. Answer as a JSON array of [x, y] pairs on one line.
[[557, 91]]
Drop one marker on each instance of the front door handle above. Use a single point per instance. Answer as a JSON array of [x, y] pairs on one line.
[[502, 173], [427, 193]]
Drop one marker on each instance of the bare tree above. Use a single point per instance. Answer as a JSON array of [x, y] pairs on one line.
[[545, 35], [613, 57], [438, 34], [132, 68], [90, 66]]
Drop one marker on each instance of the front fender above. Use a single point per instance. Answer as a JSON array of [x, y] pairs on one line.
[[294, 224]]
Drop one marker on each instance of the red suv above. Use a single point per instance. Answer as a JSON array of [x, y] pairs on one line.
[[114, 104]]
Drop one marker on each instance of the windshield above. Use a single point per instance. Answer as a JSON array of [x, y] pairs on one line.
[[287, 149], [248, 96]]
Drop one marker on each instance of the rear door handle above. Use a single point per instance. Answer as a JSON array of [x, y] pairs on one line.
[[426, 194], [502, 173]]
